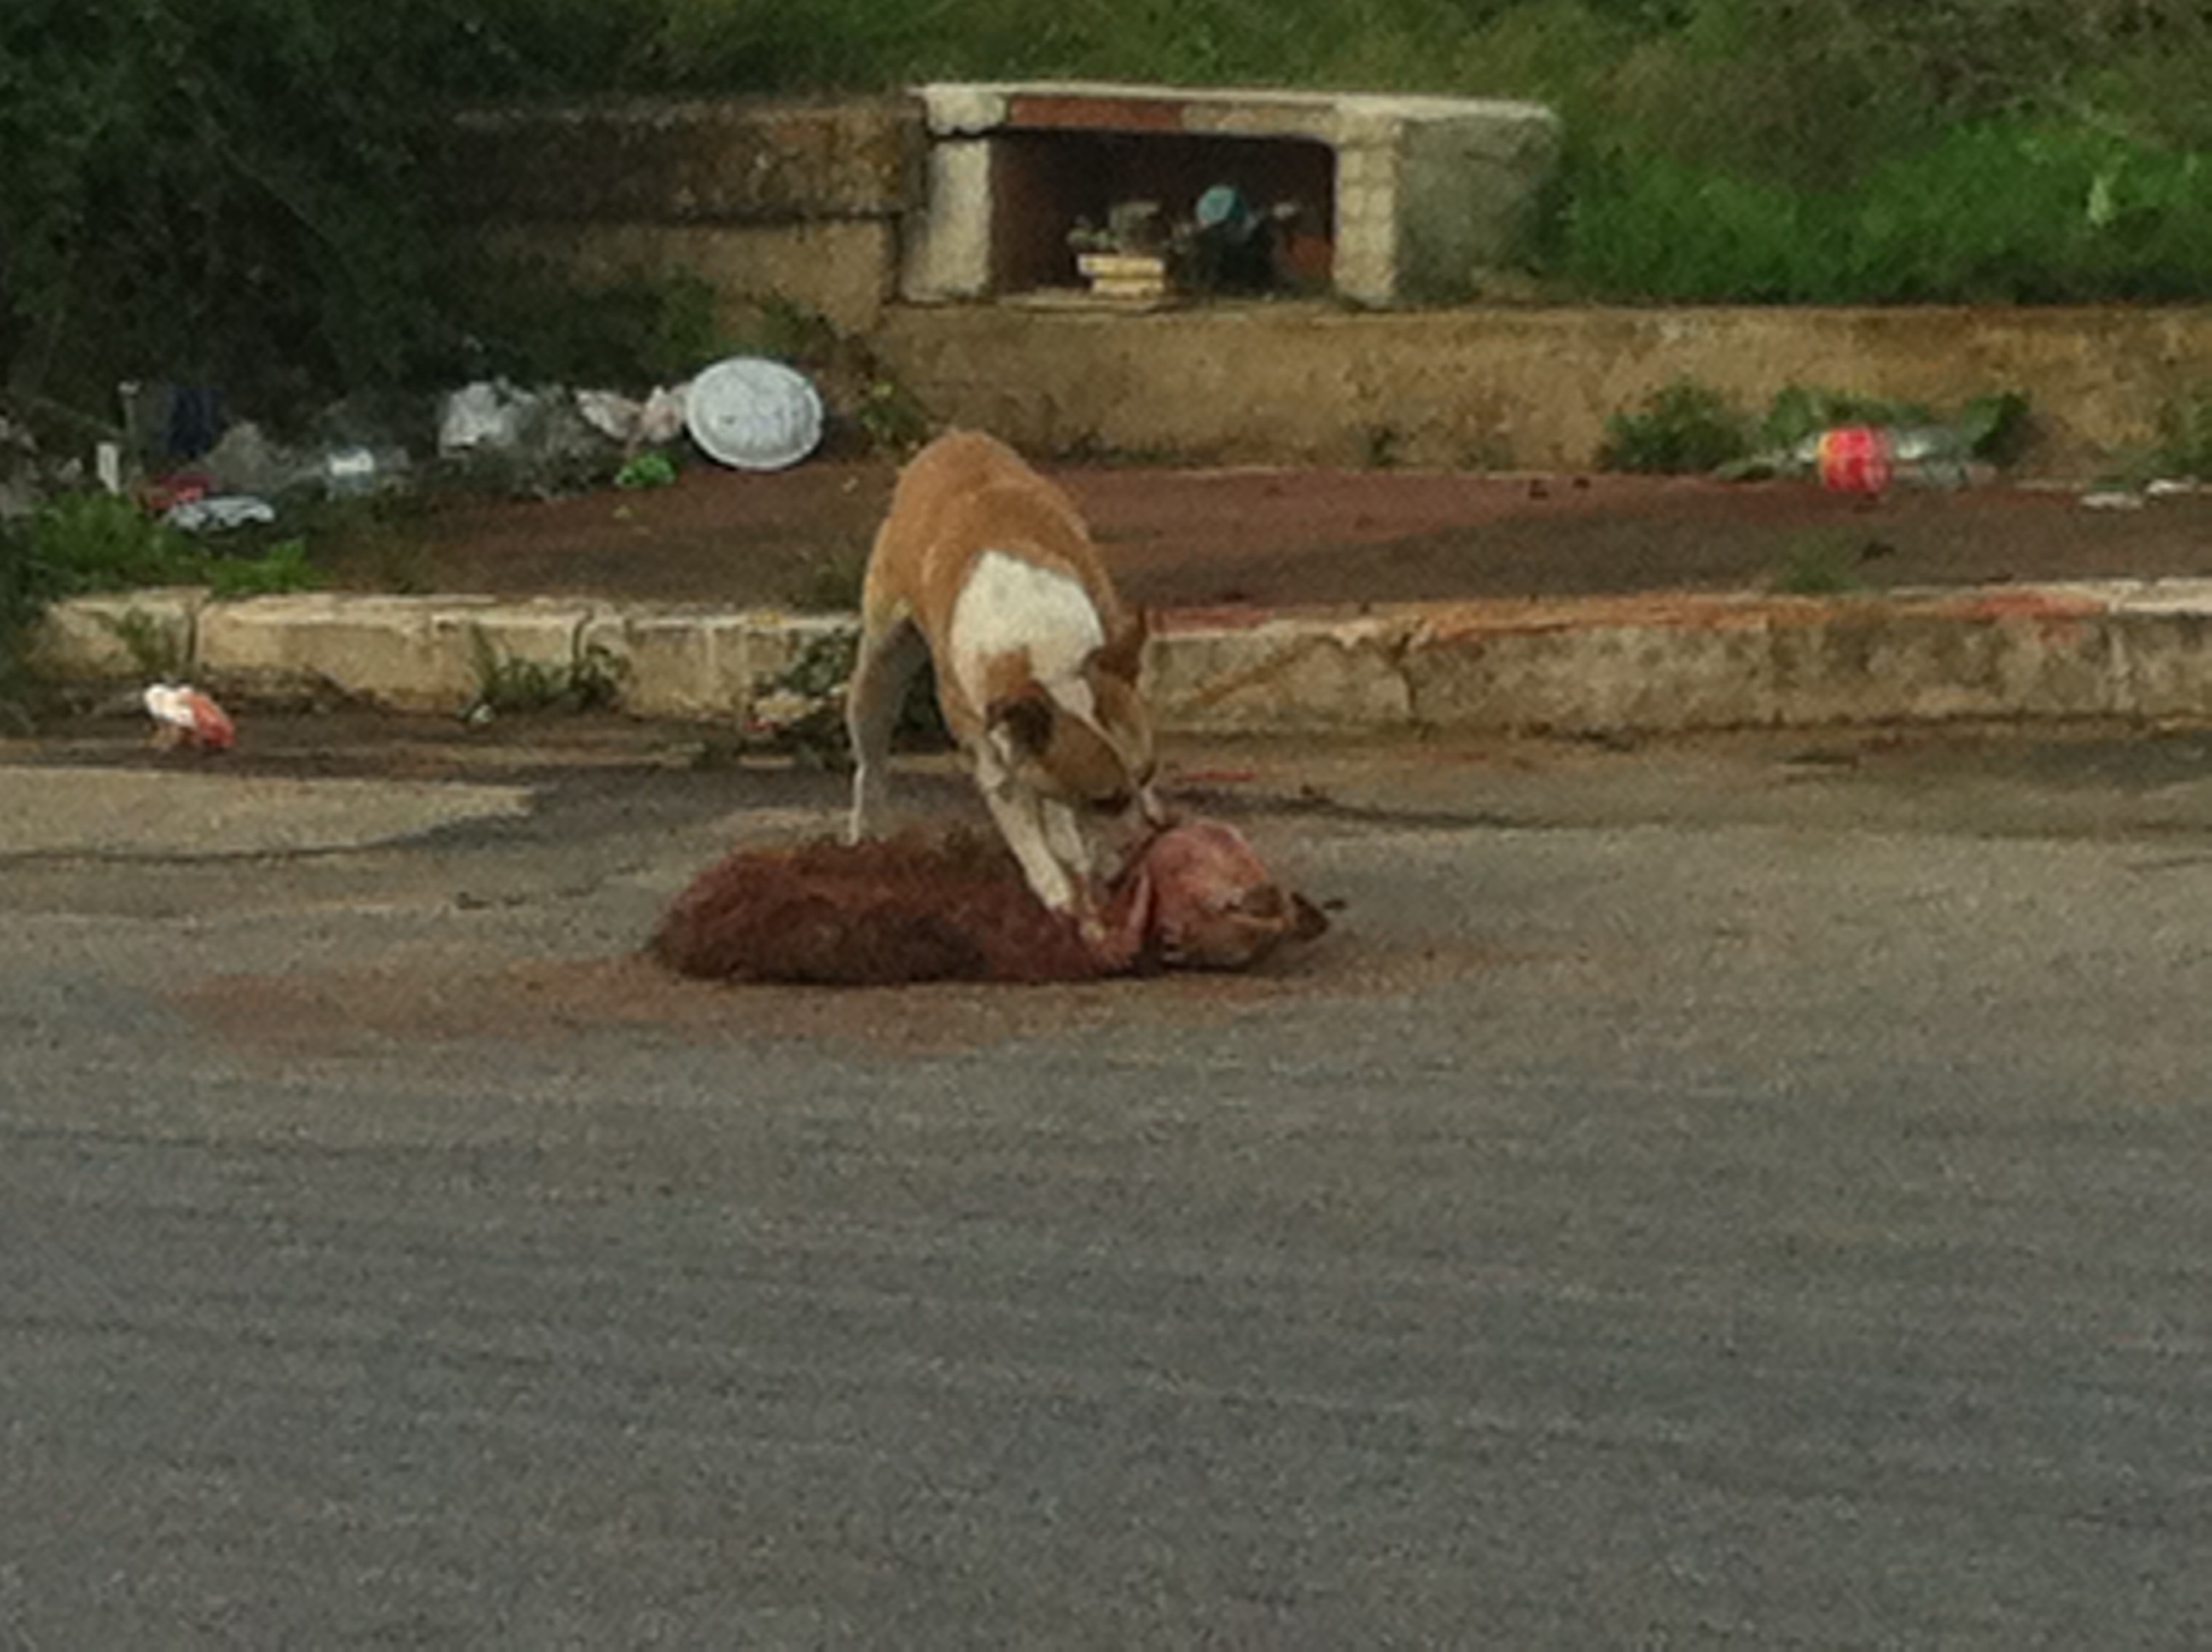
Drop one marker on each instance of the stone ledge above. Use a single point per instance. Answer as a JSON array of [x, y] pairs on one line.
[[131, 633], [1659, 664]]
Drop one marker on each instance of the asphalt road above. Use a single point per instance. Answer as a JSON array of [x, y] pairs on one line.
[[1755, 1192]]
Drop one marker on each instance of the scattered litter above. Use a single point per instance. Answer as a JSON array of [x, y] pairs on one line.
[[247, 461], [753, 414], [2111, 499], [1854, 459], [653, 423], [163, 494], [215, 512], [2169, 487], [915, 908], [349, 472], [488, 415], [1869, 459], [183, 716]]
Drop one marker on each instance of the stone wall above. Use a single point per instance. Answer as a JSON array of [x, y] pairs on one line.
[[1513, 386], [801, 201]]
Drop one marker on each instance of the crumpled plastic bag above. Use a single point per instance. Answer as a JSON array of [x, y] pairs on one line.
[[653, 423], [490, 415], [216, 513]]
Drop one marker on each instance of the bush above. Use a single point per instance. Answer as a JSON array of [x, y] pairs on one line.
[[2004, 211], [80, 544], [26, 584]]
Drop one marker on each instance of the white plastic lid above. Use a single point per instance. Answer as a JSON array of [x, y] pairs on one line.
[[753, 414]]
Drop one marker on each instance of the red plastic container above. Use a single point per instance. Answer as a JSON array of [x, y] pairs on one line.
[[1855, 458]]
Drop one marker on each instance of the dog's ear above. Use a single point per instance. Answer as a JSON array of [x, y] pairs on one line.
[[1027, 718], [1124, 651]]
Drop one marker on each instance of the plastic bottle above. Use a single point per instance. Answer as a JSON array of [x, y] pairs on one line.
[[1868, 459]]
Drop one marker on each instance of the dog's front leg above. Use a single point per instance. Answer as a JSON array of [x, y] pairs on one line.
[[1019, 823], [1063, 835]]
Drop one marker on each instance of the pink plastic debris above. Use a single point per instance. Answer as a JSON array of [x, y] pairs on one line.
[[183, 716]]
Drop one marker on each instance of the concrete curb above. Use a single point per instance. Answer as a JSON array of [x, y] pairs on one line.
[[1657, 664]]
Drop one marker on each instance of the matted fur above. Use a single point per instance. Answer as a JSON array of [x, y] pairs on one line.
[[913, 908]]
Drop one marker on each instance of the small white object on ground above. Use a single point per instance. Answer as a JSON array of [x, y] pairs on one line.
[[753, 414], [220, 511]]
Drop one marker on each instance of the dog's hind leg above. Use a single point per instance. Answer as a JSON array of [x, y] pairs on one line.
[[889, 658]]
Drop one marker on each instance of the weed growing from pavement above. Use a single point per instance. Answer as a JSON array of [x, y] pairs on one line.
[[1683, 428], [800, 712], [1823, 567], [508, 685], [155, 651], [2184, 436], [1382, 446], [829, 582]]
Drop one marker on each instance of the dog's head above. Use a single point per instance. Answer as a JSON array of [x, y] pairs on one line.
[[1087, 743], [1197, 897]]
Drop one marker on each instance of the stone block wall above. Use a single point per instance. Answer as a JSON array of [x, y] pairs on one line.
[[801, 201]]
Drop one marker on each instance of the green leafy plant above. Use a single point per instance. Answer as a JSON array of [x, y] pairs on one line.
[[507, 684], [1823, 567], [275, 569], [2184, 436], [890, 418], [155, 650], [88, 543], [1682, 427], [652, 469], [1798, 412], [798, 712]]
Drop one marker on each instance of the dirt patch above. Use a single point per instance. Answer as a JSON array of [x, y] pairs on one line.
[[1278, 537]]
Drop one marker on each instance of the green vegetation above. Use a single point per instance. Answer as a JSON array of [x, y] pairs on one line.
[[800, 711], [157, 651], [26, 585], [651, 469], [2185, 437], [508, 684], [1686, 428], [79, 543], [1820, 567]]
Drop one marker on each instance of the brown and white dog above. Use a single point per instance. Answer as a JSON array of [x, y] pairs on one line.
[[984, 567]]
